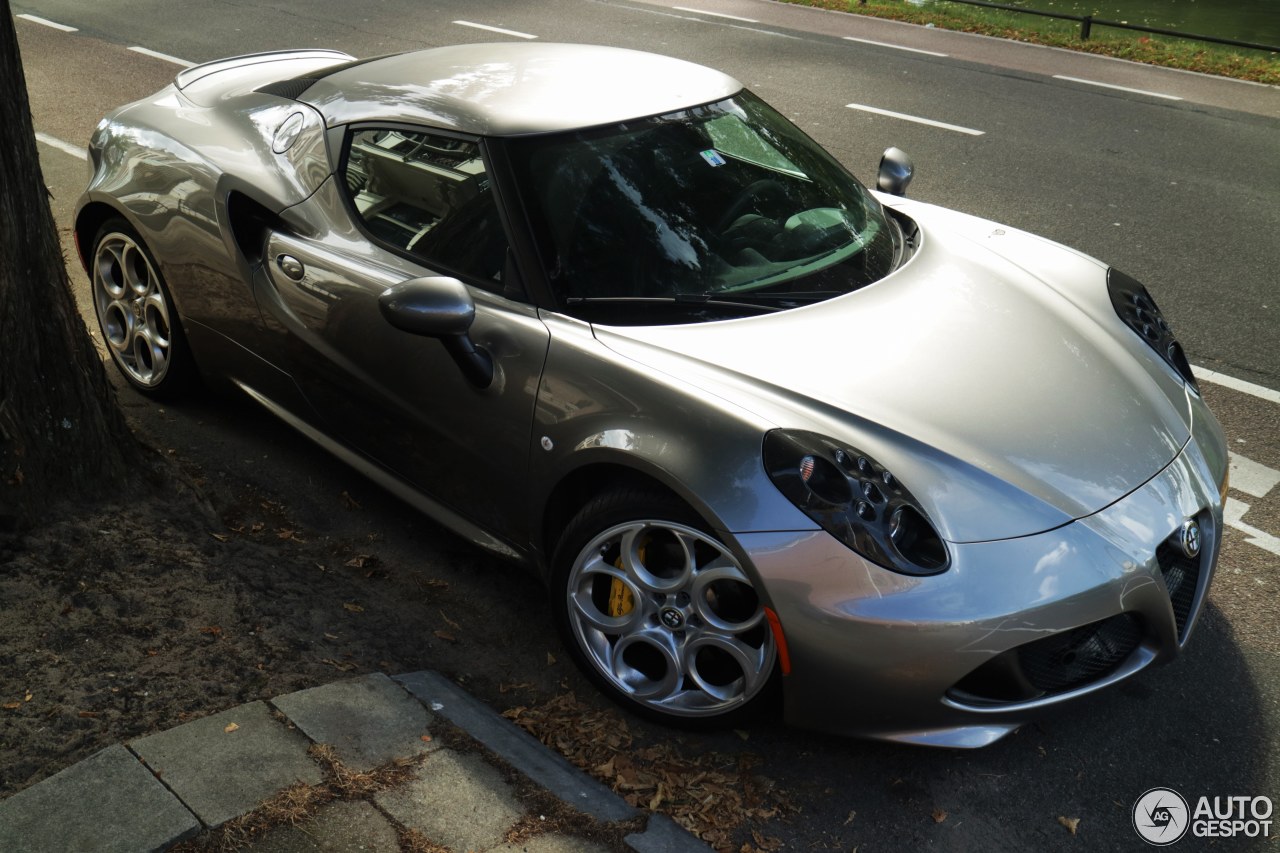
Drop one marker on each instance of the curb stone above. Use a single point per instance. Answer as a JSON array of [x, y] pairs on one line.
[[167, 787]]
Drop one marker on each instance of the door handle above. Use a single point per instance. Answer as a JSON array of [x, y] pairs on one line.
[[290, 266]]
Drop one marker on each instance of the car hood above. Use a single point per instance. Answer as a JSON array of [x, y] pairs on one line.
[[990, 372]]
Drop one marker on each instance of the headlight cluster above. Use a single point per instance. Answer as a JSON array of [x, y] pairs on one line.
[[1139, 311], [855, 499]]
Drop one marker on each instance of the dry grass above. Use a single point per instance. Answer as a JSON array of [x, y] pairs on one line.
[[412, 841]]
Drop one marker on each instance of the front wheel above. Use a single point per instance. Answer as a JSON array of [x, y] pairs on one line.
[[660, 614], [136, 314]]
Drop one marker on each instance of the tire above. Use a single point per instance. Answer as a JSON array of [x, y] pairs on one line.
[[136, 314], [691, 645]]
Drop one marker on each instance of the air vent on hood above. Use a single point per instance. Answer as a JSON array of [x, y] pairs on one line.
[[291, 89]]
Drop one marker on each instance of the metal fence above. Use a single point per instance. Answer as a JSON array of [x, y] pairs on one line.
[[1087, 22]]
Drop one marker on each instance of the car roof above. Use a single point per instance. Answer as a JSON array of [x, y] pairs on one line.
[[512, 89]]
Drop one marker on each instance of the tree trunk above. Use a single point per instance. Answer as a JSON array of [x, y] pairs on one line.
[[62, 435]]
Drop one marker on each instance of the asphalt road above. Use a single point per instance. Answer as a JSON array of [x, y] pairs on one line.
[[1184, 194]]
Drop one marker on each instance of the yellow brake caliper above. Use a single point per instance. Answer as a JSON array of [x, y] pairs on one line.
[[621, 601]]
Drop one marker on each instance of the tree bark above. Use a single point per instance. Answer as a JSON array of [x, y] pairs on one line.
[[62, 435]]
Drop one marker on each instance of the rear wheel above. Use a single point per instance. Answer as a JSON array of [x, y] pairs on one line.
[[136, 314], [660, 614]]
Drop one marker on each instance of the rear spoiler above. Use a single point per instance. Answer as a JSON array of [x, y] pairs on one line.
[[322, 57]]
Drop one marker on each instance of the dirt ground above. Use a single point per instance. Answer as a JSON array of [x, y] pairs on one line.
[[131, 618], [287, 572]]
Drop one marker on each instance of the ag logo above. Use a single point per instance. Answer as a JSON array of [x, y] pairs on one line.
[[1161, 816]]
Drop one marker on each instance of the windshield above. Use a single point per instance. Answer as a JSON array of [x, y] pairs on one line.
[[720, 210]]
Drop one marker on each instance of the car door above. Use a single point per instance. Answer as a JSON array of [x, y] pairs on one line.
[[416, 203]]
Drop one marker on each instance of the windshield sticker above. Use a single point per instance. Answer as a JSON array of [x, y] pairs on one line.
[[713, 157]]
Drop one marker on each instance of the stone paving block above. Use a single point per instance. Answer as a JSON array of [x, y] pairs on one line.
[[107, 803], [346, 825], [552, 843], [221, 774], [368, 720], [456, 800], [543, 766]]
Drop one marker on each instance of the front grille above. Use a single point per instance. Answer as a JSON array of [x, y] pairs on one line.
[[1054, 664], [1181, 577], [1074, 658]]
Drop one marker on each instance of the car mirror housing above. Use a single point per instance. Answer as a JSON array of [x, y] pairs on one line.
[[439, 307], [896, 171]]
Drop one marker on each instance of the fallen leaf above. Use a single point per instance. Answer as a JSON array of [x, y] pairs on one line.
[[446, 636], [454, 625], [359, 561], [231, 727], [212, 630], [425, 738], [939, 815], [87, 715], [766, 843], [329, 636], [152, 653], [12, 706], [850, 818], [345, 667], [1071, 823], [507, 688], [354, 608], [221, 537], [657, 798], [27, 698]]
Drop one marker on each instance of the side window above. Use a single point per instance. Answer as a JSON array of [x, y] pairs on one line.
[[428, 196]]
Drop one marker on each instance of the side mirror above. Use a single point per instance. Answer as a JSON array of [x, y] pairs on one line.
[[439, 307], [896, 171]]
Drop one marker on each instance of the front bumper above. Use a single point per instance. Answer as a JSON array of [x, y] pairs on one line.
[[944, 660]]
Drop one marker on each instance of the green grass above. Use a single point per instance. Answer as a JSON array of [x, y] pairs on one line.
[[1191, 55]]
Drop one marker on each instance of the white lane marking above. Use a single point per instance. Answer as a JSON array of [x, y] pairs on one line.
[[759, 31], [1252, 478], [895, 46], [65, 147], [46, 22], [957, 128], [1119, 88], [1233, 515], [155, 54], [1236, 384], [716, 14], [1256, 479], [514, 33]]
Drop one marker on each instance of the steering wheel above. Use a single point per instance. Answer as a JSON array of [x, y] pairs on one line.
[[746, 199]]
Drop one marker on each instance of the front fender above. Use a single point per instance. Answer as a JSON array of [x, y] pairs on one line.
[[597, 406]]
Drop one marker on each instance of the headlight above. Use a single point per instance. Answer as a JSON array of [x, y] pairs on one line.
[[1139, 311], [855, 499]]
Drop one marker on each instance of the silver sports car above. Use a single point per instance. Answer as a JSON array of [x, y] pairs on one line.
[[766, 433]]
